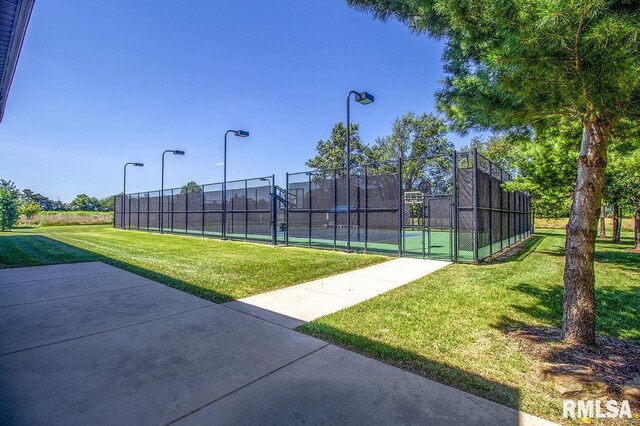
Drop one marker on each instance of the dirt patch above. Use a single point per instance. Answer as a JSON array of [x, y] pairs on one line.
[[633, 250], [509, 252], [613, 362]]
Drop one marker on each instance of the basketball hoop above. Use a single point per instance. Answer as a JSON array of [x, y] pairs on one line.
[[413, 197]]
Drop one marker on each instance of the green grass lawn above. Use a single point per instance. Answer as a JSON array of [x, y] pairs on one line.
[[449, 325], [213, 269]]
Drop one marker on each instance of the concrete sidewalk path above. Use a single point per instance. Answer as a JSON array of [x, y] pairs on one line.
[[90, 344], [295, 305]]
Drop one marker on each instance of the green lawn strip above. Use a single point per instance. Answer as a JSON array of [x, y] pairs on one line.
[[448, 326], [213, 269]]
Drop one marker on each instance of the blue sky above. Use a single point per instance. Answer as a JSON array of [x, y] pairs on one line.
[[101, 83]]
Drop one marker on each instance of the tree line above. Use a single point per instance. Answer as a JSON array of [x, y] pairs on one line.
[[15, 202]]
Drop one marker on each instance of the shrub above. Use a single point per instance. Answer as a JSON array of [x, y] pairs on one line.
[[8, 209], [30, 209]]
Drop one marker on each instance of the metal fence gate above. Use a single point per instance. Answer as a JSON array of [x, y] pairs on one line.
[[450, 207], [427, 226]]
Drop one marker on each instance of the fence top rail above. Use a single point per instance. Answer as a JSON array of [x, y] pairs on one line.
[[373, 164], [268, 179], [505, 176]]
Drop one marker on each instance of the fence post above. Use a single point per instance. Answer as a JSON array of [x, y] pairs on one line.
[[286, 211], [366, 208], [475, 206], [186, 211], [114, 210], [335, 208], [202, 226], [274, 212], [138, 213], [310, 207], [490, 208], [172, 206], [246, 210], [400, 208], [501, 210], [455, 206]]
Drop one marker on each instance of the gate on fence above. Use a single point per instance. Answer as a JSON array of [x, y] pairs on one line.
[[450, 207]]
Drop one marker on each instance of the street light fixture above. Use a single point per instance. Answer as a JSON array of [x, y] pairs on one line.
[[174, 152], [124, 190], [363, 98], [240, 134]]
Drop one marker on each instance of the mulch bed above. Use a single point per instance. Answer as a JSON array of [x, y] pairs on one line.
[[613, 361]]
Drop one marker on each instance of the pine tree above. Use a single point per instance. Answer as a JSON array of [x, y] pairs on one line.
[[515, 63]]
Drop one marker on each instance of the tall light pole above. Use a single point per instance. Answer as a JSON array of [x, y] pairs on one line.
[[240, 134], [363, 98], [124, 190], [174, 152]]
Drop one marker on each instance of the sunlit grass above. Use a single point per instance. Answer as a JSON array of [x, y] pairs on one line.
[[448, 326], [213, 269]]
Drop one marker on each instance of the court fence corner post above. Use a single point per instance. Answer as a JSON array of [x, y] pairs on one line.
[[475, 206], [400, 208], [454, 206]]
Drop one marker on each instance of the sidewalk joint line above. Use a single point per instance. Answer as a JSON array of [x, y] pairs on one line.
[[77, 295], [107, 331], [63, 277], [248, 384]]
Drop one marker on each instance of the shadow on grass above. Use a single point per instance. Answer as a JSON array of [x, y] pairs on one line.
[[35, 250], [605, 252], [519, 253], [435, 370], [616, 309], [39, 250]]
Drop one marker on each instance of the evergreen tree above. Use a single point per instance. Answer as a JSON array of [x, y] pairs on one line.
[[8, 204], [515, 63]]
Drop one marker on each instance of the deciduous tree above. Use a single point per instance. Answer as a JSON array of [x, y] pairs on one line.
[[190, 188], [331, 153], [414, 137]]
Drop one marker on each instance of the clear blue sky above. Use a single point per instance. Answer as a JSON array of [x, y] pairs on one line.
[[100, 83]]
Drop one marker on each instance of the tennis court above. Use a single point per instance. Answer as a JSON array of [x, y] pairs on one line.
[[451, 207]]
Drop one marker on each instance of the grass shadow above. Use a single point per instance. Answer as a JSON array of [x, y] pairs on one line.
[[616, 309], [36, 250], [52, 251], [435, 370], [517, 254]]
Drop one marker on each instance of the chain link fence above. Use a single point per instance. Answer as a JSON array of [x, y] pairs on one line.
[[199, 210], [451, 207]]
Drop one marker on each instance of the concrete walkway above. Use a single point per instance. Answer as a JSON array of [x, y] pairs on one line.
[[91, 344], [292, 306]]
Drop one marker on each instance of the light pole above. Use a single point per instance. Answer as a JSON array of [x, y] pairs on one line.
[[363, 98], [124, 189], [174, 152], [240, 134]]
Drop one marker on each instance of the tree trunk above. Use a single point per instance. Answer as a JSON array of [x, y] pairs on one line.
[[637, 228], [615, 236], [579, 304], [603, 230]]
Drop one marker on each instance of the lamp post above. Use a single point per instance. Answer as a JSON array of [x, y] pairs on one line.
[[174, 152], [363, 98], [240, 134], [124, 189]]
